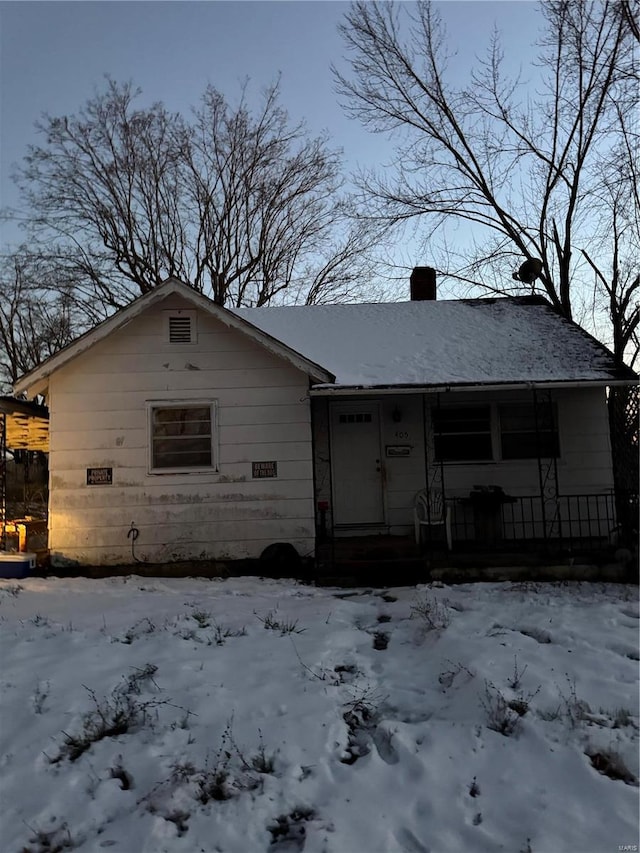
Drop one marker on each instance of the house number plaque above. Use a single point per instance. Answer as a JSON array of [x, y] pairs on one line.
[[398, 449], [99, 476], [261, 470]]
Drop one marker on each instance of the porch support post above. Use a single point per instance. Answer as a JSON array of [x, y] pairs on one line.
[[547, 468], [434, 471], [427, 447], [429, 456], [321, 412], [444, 497]]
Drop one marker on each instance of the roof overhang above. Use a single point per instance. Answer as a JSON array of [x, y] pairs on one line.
[[388, 390], [36, 382], [26, 424]]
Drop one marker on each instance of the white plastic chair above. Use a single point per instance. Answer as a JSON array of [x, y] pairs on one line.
[[430, 510]]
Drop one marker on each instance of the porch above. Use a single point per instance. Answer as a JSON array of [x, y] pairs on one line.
[[525, 474], [575, 537]]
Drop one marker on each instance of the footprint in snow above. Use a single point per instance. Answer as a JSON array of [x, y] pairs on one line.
[[382, 740], [629, 619], [288, 832], [631, 612], [626, 652], [380, 641], [536, 634], [409, 843]]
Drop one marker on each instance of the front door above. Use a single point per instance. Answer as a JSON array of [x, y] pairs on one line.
[[356, 469]]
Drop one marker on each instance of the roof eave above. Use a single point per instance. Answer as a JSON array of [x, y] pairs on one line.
[[357, 390]]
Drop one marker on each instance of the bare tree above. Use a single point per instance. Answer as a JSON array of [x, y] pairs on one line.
[[269, 209], [614, 256], [244, 205], [630, 12], [524, 173], [100, 186], [38, 314]]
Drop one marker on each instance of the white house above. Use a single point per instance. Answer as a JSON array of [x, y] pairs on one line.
[[183, 430]]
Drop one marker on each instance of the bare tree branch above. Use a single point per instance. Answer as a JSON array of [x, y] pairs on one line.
[[39, 313], [525, 173], [241, 203]]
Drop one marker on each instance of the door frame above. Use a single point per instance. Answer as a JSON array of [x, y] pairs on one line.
[[335, 406]]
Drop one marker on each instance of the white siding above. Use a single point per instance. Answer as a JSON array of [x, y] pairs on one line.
[[99, 418], [585, 443]]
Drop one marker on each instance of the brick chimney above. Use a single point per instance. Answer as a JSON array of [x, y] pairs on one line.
[[423, 284]]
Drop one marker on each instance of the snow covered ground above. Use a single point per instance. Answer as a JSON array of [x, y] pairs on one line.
[[147, 715]]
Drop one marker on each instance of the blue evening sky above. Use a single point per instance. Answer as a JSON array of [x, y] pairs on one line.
[[54, 54]]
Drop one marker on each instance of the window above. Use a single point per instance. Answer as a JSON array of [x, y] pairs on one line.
[[182, 436], [463, 434], [359, 418], [521, 430], [528, 431]]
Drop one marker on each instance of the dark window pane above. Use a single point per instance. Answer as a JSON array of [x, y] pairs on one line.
[[181, 437], [528, 431], [511, 421], [357, 418], [525, 417], [528, 445], [173, 455], [471, 419], [462, 448], [185, 427], [176, 413], [463, 434]]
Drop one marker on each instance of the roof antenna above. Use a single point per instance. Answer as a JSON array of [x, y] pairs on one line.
[[529, 271]]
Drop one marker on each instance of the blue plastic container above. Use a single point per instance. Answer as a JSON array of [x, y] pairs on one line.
[[14, 564]]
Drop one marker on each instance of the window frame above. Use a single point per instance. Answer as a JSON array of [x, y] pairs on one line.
[[496, 432], [212, 404]]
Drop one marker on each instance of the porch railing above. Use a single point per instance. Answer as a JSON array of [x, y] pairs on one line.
[[586, 520]]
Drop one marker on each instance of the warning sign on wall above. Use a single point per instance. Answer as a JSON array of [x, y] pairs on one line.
[[261, 470], [99, 476]]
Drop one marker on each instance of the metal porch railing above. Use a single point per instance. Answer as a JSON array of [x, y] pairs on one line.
[[585, 521]]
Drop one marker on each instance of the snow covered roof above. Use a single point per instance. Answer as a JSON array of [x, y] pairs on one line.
[[446, 343], [462, 342]]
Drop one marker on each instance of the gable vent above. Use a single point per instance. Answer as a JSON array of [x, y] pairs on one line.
[[180, 330]]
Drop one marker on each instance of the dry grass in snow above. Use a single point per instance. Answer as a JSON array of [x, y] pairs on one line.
[[162, 716]]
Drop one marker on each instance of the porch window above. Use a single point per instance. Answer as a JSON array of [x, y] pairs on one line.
[[182, 436], [528, 431], [463, 434]]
